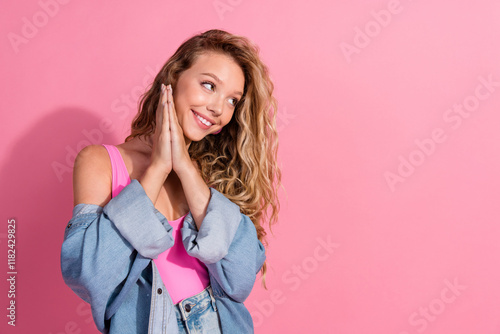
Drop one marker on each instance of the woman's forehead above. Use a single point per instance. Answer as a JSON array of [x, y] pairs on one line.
[[222, 66]]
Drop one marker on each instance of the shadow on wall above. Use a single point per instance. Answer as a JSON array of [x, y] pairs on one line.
[[37, 192]]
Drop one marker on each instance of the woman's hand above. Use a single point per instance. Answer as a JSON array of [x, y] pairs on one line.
[[169, 146], [196, 191], [161, 155], [161, 164], [180, 155], [170, 153], [169, 150]]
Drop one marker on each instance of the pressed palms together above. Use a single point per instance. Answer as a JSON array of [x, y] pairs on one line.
[[169, 147]]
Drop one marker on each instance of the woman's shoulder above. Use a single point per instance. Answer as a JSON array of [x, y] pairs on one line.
[[94, 151], [92, 171], [92, 176], [93, 158]]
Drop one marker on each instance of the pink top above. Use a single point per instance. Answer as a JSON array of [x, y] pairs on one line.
[[183, 275]]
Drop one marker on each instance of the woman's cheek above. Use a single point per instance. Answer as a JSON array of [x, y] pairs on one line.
[[199, 98]]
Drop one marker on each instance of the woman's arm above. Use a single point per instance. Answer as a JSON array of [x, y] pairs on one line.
[[228, 245], [108, 243], [132, 212], [161, 155], [196, 191], [236, 272]]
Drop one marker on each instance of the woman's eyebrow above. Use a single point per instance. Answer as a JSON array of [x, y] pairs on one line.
[[216, 78]]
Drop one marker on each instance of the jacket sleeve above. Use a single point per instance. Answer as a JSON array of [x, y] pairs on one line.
[[228, 245], [105, 249]]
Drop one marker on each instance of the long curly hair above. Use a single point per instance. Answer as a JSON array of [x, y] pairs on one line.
[[240, 161]]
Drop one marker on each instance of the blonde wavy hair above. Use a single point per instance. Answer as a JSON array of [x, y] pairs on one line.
[[240, 161]]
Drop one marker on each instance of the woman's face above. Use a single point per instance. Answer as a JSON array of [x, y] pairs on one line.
[[209, 89]]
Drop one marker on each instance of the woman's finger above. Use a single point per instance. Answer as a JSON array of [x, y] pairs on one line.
[[161, 138], [172, 116], [174, 113], [165, 111], [180, 155], [162, 111], [159, 113], [175, 129]]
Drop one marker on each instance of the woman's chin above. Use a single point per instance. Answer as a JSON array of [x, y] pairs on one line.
[[194, 137]]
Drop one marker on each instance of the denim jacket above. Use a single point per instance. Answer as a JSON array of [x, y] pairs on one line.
[[107, 252]]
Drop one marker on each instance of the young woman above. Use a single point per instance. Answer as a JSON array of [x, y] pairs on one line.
[[167, 229]]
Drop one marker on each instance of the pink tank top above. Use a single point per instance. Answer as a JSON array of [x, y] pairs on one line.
[[183, 275]]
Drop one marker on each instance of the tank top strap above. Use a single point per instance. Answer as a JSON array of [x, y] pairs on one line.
[[121, 178]]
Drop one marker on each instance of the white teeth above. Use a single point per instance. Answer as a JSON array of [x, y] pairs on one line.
[[204, 121]]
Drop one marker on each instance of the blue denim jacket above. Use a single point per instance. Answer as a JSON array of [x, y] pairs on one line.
[[107, 252]]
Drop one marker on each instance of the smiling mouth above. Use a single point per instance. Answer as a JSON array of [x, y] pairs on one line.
[[203, 120]]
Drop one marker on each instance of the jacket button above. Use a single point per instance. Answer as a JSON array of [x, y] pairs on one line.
[[187, 307], [159, 291], [69, 225]]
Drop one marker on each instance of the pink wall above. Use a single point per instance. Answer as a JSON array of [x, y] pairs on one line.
[[389, 122]]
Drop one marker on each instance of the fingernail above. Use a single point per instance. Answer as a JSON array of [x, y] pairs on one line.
[[169, 87], [162, 87]]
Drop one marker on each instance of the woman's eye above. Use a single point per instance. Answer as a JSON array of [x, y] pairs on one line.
[[233, 102], [208, 85]]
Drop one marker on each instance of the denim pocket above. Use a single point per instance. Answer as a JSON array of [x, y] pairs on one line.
[[198, 314]]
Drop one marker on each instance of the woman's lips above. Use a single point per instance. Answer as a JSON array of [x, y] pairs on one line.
[[200, 124]]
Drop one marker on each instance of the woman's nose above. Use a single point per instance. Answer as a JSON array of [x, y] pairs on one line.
[[216, 104]]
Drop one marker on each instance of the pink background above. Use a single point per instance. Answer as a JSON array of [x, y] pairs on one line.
[[366, 92]]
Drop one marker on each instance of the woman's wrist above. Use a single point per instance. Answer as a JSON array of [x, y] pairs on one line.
[[152, 180], [158, 170], [188, 170]]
